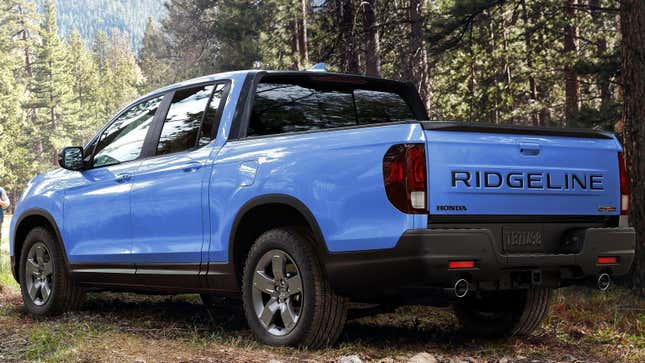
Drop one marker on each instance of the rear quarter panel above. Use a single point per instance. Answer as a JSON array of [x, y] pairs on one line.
[[337, 174]]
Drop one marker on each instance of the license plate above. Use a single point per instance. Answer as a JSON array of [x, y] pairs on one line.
[[522, 239]]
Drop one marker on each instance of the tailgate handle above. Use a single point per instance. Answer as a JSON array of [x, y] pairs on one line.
[[530, 149]]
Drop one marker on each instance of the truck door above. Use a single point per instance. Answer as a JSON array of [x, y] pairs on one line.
[[169, 193]]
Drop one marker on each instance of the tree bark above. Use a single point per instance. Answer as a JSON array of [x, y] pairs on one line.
[[26, 38], [533, 94], [302, 35], [372, 42], [601, 51], [632, 25], [295, 53], [418, 67], [570, 76], [349, 53]]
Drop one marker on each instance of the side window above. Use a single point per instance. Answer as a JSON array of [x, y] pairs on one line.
[[208, 131], [281, 108], [183, 127], [123, 140], [376, 107]]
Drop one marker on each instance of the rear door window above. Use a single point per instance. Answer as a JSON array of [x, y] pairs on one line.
[[190, 119], [282, 108]]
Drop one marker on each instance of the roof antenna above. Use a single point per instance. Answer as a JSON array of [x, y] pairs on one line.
[[318, 67]]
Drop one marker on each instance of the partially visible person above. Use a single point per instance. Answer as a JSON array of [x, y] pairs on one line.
[[4, 204]]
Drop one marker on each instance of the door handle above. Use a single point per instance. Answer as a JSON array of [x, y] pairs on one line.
[[122, 178], [192, 166], [530, 149]]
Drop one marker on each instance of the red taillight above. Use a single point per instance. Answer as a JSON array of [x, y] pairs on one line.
[[606, 260], [404, 174], [453, 265], [624, 185]]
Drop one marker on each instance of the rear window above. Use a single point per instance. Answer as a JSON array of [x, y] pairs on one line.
[[281, 108]]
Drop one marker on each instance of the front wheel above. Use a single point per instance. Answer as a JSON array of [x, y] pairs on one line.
[[46, 289], [287, 300], [505, 313]]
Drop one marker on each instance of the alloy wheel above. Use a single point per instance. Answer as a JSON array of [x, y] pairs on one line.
[[39, 273], [277, 292]]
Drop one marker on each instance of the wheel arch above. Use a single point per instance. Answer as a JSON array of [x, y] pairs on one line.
[[285, 210], [28, 220]]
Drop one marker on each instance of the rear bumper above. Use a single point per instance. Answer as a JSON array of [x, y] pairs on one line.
[[421, 257]]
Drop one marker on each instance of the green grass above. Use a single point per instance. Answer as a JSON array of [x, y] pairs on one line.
[[610, 322], [59, 341]]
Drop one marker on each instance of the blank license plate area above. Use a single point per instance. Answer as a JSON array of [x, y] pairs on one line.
[[522, 239]]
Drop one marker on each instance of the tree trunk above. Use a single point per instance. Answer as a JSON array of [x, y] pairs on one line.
[[302, 35], [533, 95], [418, 68], [601, 51], [570, 76], [26, 38], [372, 42], [295, 64], [632, 25], [349, 53]]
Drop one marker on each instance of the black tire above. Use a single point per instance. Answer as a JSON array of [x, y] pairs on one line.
[[503, 314], [64, 294], [322, 313]]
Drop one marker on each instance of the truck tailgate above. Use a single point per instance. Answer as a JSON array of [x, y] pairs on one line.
[[491, 171]]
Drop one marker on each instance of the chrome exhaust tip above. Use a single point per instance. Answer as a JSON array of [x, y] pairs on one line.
[[461, 288], [604, 281]]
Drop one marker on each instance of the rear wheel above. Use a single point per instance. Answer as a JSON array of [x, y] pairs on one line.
[[504, 313], [287, 300], [46, 289]]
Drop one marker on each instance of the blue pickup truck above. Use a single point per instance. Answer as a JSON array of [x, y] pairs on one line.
[[301, 194]]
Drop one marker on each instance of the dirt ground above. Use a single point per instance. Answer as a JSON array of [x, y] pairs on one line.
[[584, 326]]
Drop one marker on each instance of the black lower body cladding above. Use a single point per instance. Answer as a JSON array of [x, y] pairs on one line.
[[420, 260]]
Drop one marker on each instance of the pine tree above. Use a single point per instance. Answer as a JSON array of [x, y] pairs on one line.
[[123, 76], [14, 160], [279, 41], [84, 109], [153, 59], [50, 91], [190, 40], [372, 42], [100, 50], [345, 11], [417, 68], [236, 31], [570, 75]]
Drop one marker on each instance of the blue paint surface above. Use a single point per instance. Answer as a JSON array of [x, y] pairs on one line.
[[550, 161]]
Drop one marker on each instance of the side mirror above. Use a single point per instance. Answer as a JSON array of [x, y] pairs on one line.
[[71, 158]]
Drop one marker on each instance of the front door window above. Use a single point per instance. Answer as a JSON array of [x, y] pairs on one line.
[[123, 140]]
